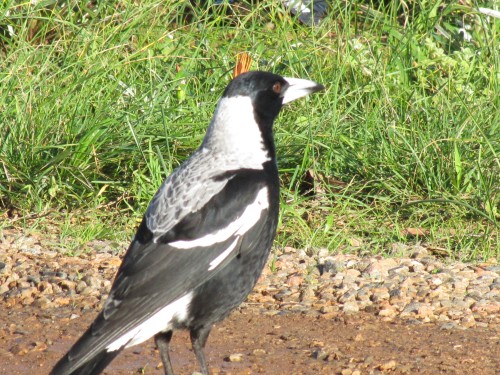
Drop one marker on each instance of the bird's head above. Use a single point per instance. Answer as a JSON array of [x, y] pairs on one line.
[[268, 91], [243, 120]]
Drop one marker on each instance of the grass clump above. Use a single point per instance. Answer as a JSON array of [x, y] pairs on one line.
[[99, 102]]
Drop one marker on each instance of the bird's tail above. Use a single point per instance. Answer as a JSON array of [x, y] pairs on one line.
[[93, 366]]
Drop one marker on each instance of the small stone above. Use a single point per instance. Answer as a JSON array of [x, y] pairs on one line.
[[462, 304], [493, 295], [259, 352], [477, 291], [400, 270], [317, 343], [380, 268], [332, 266], [62, 301], [399, 248], [294, 280], [92, 281], [454, 313], [436, 280], [419, 252], [67, 285], [282, 295], [23, 284], [62, 275], [106, 285], [350, 307], [388, 312], [307, 295], [322, 253], [449, 326], [396, 292], [380, 294], [468, 321], [27, 292], [329, 316], [39, 346], [320, 354], [28, 301], [368, 360], [446, 303], [489, 307], [89, 291], [425, 311], [81, 285], [416, 266], [3, 289], [411, 308], [19, 349], [494, 268], [328, 309], [43, 302], [35, 279], [350, 295], [351, 274], [236, 357], [364, 294], [359, 337], [389, 365]]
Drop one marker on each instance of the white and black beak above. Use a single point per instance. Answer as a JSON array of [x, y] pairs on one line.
[[299, 88]]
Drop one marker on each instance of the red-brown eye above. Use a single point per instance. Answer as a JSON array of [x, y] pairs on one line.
[[277, 88]]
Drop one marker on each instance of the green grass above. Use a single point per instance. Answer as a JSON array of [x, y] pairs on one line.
[[99, 104]]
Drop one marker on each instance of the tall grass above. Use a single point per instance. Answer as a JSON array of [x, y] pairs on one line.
[[99, 103]]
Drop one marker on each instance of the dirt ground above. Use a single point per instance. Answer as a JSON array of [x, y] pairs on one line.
[[31, 341]]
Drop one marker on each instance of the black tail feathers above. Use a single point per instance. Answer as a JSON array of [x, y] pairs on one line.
[[92, 367]]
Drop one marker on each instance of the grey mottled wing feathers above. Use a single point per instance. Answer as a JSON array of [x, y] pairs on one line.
[[149, 263]]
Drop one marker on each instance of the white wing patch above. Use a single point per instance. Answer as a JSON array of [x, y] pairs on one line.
[[214, 263], [240, 226], [161, 321]]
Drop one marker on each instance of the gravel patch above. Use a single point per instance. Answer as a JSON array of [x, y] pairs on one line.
[[417, 287]]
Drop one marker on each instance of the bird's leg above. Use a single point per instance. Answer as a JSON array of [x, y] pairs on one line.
[[198, 340], [162, 341]]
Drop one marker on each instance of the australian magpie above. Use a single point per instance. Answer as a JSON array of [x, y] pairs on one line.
[[205, 236]]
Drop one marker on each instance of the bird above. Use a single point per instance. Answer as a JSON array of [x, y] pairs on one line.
[[205, 236], [309, 12]]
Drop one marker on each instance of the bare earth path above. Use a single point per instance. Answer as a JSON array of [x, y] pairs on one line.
[[286, 344], [301, 321]]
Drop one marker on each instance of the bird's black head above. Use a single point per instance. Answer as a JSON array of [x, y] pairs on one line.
[[266, 90], [243, 121]]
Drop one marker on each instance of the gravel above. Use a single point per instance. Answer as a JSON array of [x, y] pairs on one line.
[[417, 287]]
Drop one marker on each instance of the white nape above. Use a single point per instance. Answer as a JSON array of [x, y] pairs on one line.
[[235, 133]]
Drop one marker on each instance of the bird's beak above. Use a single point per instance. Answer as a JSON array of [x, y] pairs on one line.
[[299, 88]]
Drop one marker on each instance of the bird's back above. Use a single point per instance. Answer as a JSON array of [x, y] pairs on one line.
[[218, 296]]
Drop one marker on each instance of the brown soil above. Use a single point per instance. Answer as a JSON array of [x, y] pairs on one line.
[[31, 341]]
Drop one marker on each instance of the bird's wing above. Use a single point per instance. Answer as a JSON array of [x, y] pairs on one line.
[[159, 269]]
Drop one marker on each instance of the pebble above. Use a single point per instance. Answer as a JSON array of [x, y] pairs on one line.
[[236, 357], [416, 286], [387, 366], [350, 307], [259, 352]]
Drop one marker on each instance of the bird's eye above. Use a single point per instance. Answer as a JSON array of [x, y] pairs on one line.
[[277, 88]]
